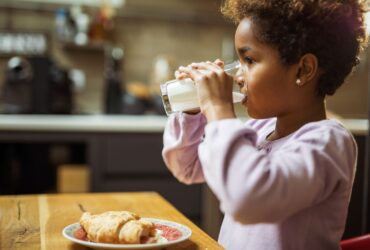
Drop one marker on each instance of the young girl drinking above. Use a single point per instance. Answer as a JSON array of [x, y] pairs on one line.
[[283, 178]]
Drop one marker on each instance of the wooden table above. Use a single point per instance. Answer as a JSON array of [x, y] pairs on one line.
[[36, 221]]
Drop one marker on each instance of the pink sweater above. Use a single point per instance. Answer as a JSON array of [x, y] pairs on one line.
[[289, 194]]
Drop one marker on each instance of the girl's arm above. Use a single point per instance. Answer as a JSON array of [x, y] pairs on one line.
[[255, 186], [182, 136]]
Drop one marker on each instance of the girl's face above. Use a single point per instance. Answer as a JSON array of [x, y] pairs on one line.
[[269, 85]]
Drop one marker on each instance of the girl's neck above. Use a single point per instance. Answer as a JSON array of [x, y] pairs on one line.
[[287, 124]]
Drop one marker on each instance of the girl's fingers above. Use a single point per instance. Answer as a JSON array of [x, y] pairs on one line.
[[198, 69], [186, 70], [180, 75], [183, 69], [192, 73], [219, 62], [206, 66]]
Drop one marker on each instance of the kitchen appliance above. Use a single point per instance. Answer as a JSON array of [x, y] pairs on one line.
[[36, 85]]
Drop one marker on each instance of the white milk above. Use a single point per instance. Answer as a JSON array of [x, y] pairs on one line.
[[182, 95]]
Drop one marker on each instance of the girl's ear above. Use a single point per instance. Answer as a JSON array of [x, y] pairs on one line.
[[307, 69]]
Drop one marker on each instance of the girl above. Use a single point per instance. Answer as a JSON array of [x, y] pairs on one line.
[[284, 178]]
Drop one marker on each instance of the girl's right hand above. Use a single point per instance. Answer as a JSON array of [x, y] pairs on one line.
[[214, 88]]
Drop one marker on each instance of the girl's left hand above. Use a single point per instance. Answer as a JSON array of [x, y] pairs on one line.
[[214, 88]]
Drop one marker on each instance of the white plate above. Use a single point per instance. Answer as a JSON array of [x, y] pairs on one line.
[[68, 232]]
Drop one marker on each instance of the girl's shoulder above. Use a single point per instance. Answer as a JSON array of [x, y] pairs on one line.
[[324, 131], [324, 126]]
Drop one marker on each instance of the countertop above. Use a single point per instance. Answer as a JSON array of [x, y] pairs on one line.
[[36, 221], [83, 123], [114, 123]]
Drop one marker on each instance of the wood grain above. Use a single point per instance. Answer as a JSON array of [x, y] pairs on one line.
[[37, 221], [19, 223]]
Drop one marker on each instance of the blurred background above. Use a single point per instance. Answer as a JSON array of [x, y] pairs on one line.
[[80, 105]]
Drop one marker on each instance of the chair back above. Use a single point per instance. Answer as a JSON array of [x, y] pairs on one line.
[[356, 243]]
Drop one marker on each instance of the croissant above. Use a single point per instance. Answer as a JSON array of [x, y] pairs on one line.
[[121, 227]]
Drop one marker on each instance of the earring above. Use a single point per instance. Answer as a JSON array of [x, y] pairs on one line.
[[298, 82]]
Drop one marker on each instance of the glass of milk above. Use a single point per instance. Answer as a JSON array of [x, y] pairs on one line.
[[181, 95]]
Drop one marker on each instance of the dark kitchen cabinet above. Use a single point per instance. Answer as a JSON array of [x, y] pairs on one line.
[[133, 162], [122, 162]]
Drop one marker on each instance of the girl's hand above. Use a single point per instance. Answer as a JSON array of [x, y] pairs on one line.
[[214, 88]]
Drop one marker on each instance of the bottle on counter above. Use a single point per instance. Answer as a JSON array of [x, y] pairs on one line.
[[113, 81], [64, 25], [102, 25]]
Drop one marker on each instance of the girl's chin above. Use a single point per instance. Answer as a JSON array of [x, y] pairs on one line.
[[252, 113], [259, 116]]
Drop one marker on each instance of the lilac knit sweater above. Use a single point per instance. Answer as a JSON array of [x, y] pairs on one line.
[[289, 194]]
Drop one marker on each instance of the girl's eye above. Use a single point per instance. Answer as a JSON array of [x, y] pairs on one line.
[[248, 60]]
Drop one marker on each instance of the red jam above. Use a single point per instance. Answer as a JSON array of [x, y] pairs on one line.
[[169, 233], [80, 234]]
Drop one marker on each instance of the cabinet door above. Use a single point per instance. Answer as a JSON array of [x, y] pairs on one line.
[[133, 162], [184, 197], [134, 153]]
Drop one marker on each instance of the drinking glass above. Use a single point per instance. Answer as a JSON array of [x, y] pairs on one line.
[[181, 95]]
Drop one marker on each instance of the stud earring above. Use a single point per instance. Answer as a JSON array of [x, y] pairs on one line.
[[298, 82]]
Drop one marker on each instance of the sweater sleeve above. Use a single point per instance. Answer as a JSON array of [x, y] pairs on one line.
[[182, 136], [254, 186]]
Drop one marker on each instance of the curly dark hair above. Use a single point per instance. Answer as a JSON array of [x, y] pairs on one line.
[[333, 30]]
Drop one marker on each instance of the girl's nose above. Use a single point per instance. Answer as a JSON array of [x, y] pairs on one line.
[[239, 78]]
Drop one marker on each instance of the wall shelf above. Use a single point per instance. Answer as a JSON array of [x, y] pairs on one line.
[[92, 46]]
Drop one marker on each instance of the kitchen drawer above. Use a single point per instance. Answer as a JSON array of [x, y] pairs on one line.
[[184, 197], [133, 153]]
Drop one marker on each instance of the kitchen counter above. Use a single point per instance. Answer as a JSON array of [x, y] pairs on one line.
[[113, 123], [356, 126], [83, 123]]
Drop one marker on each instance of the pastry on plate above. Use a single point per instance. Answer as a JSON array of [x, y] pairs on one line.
[[119, 227]]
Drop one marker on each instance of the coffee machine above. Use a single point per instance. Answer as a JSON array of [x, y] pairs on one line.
[[36, 85]]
